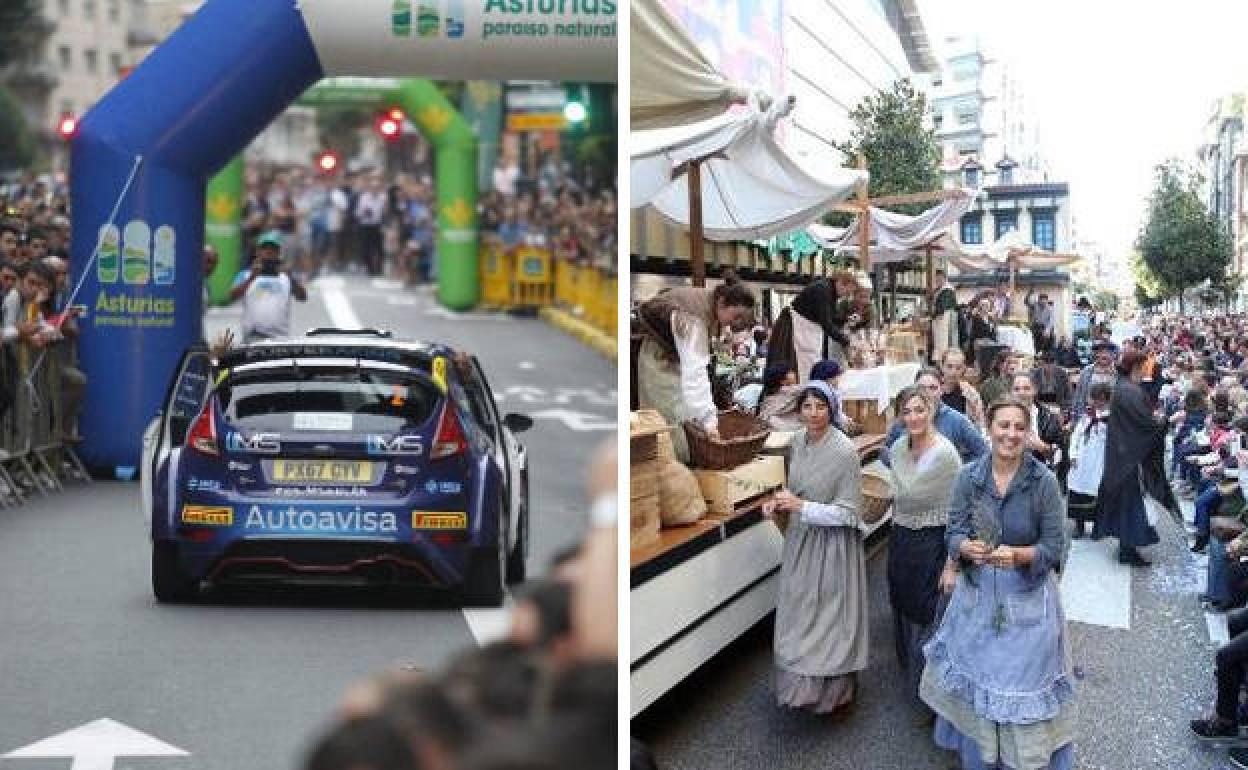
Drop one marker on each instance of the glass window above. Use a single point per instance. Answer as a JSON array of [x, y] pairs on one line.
[[1007, 176], [971, 176], [88, 9], [63, 7], [938, 121], [1005, 222], [378, 401], [92, 58], [65, 57], [968, 118], [114, 61], [1044, 230], [972, 229], [114, 10]]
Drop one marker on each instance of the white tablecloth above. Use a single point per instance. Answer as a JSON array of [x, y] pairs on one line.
[[881, 383], [1018, 339]]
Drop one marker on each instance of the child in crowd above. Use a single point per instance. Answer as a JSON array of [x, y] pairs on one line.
[[1087, 458]]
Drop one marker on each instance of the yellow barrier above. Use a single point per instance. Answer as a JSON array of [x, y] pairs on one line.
[[530, 277], [496, 270], [534, 278]]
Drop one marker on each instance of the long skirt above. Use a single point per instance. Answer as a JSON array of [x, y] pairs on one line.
[[821, 617], [1121, 514], [999, 675], [915, 560]]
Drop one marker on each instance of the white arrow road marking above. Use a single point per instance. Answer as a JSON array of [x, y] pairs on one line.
[[489, 624], [527, 365], [402, 300], [529, 394], [577, 421], [567, 395], [337, 305], [382, 283], [96, 745], [1096, 589]]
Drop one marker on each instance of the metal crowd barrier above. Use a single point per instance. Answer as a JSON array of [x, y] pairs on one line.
[[33, 454]]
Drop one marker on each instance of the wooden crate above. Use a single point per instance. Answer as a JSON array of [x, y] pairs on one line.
[[724, 490], [866, 413]]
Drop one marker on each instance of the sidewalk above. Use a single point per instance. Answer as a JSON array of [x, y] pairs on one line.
[[582, 330]]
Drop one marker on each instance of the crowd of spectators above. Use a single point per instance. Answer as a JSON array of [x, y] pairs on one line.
[[387, 224], [38, 322]]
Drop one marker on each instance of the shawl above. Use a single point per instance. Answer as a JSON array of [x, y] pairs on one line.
[[826, 472], [1135, 440], [921, 499]]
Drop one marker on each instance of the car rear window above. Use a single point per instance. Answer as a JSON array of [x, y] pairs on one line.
[[318, 400]]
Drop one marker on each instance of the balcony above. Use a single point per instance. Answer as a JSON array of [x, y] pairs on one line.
[[38, 76]]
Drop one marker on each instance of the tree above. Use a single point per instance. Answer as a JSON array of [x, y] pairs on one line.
[[1181, 242], [1148, 289], [339, 127], [22, 29], [17, 143], [902, 153]]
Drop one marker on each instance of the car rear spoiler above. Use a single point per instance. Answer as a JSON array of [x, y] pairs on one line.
[[415, 359]]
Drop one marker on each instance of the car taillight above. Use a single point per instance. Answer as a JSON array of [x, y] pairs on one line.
[[203, 435], [450, 439]]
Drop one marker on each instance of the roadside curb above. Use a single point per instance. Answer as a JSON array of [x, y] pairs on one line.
[[585, 332]]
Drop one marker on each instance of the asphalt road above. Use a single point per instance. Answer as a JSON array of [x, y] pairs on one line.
[[1137, 689], [244, 681]]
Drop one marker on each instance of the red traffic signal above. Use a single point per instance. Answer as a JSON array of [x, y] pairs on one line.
[[327, 162], [389, 127], [67, 127]]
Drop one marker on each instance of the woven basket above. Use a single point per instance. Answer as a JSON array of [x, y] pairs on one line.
[[877, 496], [741, 436]]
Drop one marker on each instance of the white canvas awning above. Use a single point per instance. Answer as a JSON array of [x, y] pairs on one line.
[[898, 237], [672, 82], [1014, 251], [750, 188]]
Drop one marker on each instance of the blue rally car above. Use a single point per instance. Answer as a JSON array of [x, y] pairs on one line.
[[342, 457]]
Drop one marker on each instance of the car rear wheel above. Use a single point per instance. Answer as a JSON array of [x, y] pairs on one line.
[[170, 582], [483, 586], [516, 559]]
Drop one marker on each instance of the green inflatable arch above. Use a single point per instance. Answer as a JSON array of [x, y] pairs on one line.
[[455, 183]]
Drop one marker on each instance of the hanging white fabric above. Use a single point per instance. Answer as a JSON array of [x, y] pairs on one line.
[[898, 237], [672, 82], [751, 188]]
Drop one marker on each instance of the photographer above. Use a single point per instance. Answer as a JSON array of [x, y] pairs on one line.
[[266, 289]]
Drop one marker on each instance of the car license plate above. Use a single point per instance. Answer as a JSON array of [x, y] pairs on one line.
[[322, 472]]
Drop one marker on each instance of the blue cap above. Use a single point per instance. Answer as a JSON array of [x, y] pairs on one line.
[[827, 369]]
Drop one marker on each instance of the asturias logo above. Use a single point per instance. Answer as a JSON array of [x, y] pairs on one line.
[[429, 18]]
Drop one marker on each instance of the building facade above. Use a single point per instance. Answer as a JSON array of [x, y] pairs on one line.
[[88, 45], [1223, 162], [987, 130]]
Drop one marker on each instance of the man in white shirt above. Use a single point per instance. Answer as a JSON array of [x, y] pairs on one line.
[[370, 210], [266, 289]]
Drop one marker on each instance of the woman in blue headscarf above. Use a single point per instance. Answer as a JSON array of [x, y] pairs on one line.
[[821, 612]]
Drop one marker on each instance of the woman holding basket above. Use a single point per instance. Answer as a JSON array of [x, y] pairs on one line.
[[821, 612], [998, 671]]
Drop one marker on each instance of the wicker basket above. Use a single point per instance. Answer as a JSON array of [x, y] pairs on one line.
[[741, 436], [877, 496]]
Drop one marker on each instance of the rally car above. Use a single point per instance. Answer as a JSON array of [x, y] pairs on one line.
[[341, 457]]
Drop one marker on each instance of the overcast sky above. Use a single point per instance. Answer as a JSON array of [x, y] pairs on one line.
[[1117, 85]]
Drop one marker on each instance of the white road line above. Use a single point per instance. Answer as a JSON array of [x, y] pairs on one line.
[[382, 283], [1096, 589], [1218, 632], [489, 624], [337, 305]]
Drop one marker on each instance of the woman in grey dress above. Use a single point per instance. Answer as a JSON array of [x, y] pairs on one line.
[[925, 464], [821, 613], [998, 671]]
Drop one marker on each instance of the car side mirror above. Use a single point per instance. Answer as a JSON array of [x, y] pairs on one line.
[[518, 423]]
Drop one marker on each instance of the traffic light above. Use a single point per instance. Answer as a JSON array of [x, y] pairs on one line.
[[327, 162], [576, 106], [67, 127], [390, 125]]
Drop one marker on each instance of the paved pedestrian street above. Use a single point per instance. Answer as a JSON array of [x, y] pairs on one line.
[[1138, 685]]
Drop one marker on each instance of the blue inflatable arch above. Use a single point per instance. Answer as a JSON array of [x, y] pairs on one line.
[[142, 156]]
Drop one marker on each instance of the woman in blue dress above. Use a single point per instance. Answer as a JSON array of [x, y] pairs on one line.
[[998, 671]]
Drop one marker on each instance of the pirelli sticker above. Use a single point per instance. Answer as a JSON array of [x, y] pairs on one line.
[[439, 520], [210, 515]]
